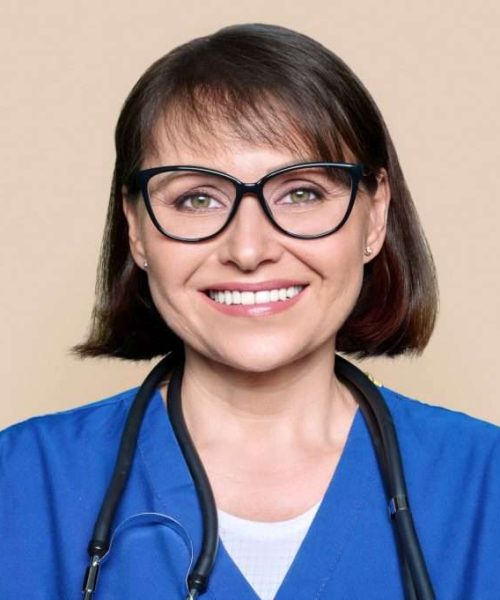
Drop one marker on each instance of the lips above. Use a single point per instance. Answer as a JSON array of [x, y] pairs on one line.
[[264, 301]]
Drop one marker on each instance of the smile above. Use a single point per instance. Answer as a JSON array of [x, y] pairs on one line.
[[247, 298]]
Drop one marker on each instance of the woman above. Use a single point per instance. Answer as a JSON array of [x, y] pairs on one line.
[[252, 288]]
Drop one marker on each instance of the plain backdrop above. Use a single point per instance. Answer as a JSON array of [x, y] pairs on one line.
[[432, 67]]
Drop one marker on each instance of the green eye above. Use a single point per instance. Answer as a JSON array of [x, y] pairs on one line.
[[200, 201], [301, 195], [196, 202]]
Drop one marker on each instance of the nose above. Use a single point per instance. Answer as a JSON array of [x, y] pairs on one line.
[[250, 239]]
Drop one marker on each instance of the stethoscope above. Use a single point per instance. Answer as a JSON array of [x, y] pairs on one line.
[[416, 579]]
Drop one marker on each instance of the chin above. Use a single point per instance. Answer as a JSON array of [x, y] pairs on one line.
[[258, 358]]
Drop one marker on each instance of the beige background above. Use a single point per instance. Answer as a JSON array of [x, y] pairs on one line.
[[67, 66]]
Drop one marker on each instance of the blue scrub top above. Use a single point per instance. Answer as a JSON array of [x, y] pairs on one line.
[[54, 471]]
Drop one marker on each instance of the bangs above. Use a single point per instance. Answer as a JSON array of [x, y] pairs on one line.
[[202, 116]]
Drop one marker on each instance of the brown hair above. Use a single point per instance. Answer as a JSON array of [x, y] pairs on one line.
[[269, 85]]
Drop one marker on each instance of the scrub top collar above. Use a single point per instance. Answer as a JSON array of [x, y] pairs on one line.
[[355, 486]]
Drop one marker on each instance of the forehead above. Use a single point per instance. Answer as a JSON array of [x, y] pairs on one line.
[[241, 158], [187, 132], [220, 148]]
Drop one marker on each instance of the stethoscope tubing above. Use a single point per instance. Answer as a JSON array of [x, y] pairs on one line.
[[101, 535], [198, 578], [383, 434]]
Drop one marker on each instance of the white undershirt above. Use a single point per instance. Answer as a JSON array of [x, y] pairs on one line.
[[263, 551]]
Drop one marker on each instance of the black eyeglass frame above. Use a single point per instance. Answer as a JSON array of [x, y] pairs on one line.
[[139, 181]]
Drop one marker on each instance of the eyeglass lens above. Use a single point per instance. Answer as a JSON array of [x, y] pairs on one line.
[[303, 201]]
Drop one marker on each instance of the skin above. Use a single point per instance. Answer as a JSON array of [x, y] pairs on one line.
[[263, 406]]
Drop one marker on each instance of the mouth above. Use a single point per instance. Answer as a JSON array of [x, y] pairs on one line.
[[250, 298]]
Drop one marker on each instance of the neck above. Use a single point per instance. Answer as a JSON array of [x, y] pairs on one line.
[[298, 405]]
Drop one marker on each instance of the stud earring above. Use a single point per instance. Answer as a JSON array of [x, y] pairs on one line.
[[368, 251], [145, 264]]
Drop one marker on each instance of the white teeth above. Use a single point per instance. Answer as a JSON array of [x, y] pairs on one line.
[[262, 296], [247, 298], [243, 297]]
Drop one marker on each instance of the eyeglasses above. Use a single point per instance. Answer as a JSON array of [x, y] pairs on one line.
[[306, 200]]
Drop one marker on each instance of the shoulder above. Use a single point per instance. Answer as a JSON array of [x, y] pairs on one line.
[[428, 419], [66, 429], [54, 470], [451, 464], [57, 463], [445, 442]]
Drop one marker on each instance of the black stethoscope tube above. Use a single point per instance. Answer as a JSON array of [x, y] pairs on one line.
[[379, 450], [383, 434], [99, 544], [198, 578], [379, 421]]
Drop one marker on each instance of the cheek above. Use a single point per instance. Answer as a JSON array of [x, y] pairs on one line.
[[165, 285], [341, 270], [344, 280], [171, 265], [165, 266]]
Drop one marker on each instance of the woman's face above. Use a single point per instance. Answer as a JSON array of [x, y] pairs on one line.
[[252, 251]]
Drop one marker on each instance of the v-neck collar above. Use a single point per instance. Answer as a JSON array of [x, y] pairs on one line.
[[331, 529]]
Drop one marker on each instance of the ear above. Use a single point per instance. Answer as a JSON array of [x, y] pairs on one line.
[[132, 214], [377, 221]]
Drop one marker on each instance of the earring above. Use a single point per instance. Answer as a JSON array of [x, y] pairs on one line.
[[368, 251], [145, 264]]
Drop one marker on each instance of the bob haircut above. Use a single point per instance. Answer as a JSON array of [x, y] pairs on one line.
[[267, 85]]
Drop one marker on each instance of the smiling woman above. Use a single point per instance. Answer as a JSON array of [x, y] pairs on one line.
[[259, 222]]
